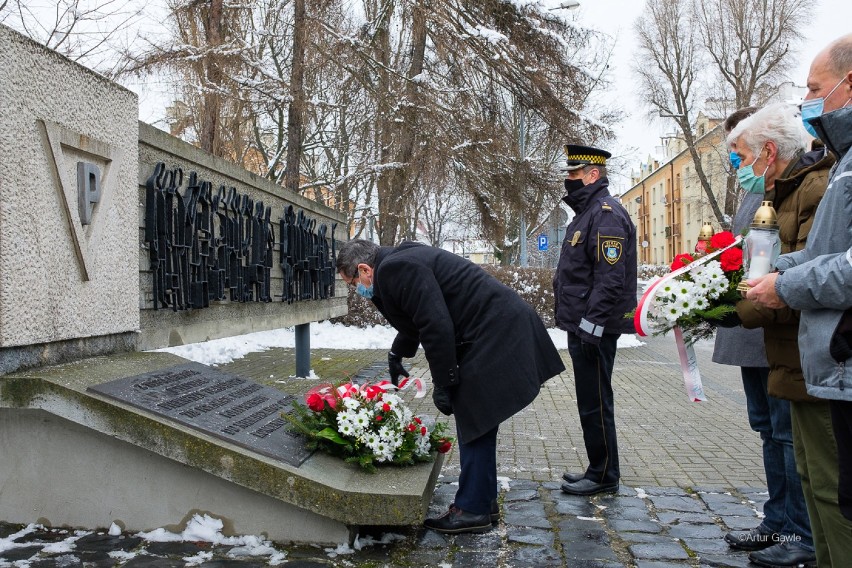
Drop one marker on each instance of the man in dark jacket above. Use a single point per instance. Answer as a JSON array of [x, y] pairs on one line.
[[487, 349], [594, 287]]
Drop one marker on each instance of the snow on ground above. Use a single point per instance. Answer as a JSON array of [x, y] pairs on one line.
[[324, 335]]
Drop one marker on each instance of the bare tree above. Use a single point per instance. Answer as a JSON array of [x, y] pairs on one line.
[[91, 32], [724, 53]]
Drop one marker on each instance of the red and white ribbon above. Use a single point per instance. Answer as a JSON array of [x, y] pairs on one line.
[[689, 368], [641, 321]]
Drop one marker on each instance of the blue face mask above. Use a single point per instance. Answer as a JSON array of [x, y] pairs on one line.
[[735, 160], [749, 181], [814, 107], [364, 291]]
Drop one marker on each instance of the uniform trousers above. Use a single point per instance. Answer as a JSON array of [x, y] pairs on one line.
[[478, 477], [841, 421], [816, 461], [593, 384]]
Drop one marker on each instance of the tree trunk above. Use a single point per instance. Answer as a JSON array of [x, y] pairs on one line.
[[297, 100], [210, 137]]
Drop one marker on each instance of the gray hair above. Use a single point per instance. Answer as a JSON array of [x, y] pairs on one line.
[[355, 252], [778, 122], [840, 56]]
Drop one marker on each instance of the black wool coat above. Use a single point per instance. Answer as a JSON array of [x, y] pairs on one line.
[[482, 341]]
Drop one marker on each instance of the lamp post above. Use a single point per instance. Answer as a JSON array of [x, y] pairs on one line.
[[524, 262]]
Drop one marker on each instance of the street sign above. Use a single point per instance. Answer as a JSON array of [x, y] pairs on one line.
[[542, 242]]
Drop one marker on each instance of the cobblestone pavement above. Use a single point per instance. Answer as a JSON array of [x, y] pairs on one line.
[[690, 472]]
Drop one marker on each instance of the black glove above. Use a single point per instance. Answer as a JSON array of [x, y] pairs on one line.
[[590, 350], [731, 319], [395, 368], [442, 399]]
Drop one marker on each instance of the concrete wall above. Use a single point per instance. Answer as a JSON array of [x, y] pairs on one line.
[[74, 287], [61, 279], [90, 479], [164, 327]]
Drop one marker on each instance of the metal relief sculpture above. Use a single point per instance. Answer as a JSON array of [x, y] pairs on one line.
[[207, 247]]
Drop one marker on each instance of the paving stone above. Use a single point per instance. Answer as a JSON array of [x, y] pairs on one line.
[[44, 536], [690, 530], [482, 541], [523, 485], [632, 512], [7, 530], [148, 561], [573, 505], [737, 523], [707, 545], [20, 553], [525, 514], [661, 551], [96, 559], [60, 561], [429, 539], [725, 561], [476, 559], [416, 558], [644, 538], [520, 495], [525, 556], [662, 491], [175, 548], [229, 563], [726, 505], [526, 535], [105, 542], [632, 525], [675, 517], [677, 503], [656, 564]]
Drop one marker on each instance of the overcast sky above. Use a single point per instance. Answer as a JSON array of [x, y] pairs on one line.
[[830, 20]]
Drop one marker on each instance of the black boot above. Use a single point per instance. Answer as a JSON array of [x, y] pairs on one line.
[[457, 521]]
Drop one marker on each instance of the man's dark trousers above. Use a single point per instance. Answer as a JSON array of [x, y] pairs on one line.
[[841, 418], [478, 477], [593, 383]]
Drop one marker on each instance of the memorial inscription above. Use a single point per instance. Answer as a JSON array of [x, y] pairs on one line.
[[226, 406]]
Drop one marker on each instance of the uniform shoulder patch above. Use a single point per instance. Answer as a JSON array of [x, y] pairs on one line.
[[605, 206], [611, 250]]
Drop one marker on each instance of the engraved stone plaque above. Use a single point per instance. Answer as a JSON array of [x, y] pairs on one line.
[[229, 407]]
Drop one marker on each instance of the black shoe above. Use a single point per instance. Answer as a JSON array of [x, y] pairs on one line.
[[495, 511], [757, 538], [457, 521], [573, 477], [783, 555], [588, 487]]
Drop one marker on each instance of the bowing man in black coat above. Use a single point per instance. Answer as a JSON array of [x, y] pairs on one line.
[[487, 349]]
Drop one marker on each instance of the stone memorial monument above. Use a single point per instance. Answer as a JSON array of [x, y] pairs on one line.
[[116, 239]]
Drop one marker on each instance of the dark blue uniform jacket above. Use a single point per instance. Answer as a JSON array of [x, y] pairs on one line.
[[595, 281]]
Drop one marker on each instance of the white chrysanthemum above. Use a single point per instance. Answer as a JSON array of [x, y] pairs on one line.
[[386, 432], [699, 303], [351, 403], [666, 290], [369, 439], [672, 312], [683, 289], [361, 420], [345, 428]]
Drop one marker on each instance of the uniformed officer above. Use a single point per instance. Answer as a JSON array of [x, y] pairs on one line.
[[594, 287]]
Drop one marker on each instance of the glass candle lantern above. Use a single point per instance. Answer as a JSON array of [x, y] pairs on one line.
[[761, 245]]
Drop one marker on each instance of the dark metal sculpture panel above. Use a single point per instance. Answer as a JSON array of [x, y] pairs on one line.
[[226, 406], [212, 246]]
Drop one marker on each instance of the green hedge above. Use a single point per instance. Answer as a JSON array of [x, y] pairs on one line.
[[535, 285]]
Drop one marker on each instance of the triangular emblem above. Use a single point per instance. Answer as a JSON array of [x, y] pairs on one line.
[[73, 152]]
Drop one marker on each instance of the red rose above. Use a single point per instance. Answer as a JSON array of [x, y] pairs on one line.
[[423, 430], [418, 420], [445, 446], [731, 259], [721, 240], [681, 260], [379, 418], [412, 427], [315, 402], [386, 407]]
